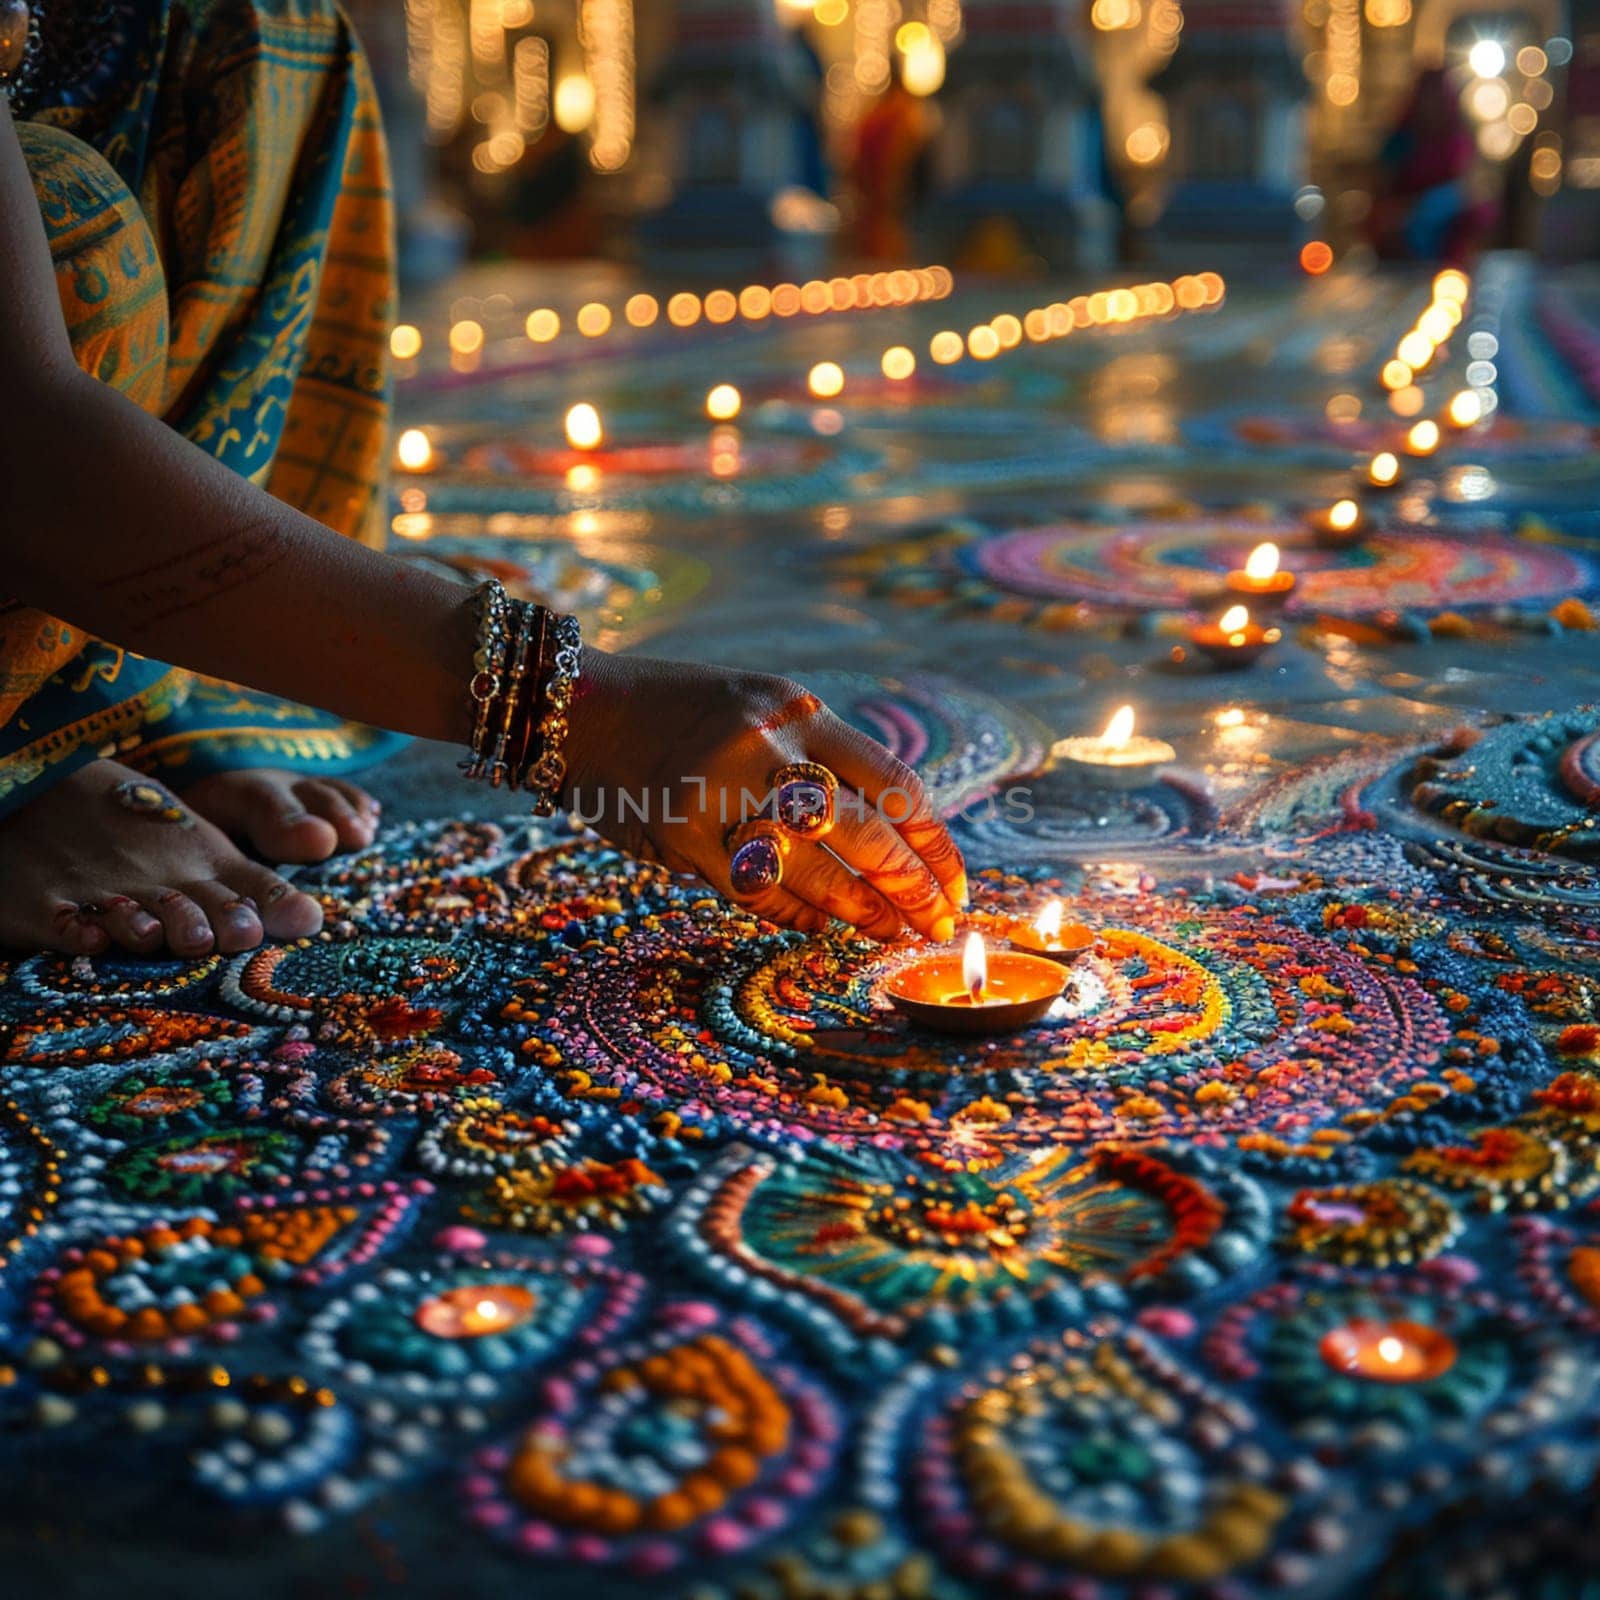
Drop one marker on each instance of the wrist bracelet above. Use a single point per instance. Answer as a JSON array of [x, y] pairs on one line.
[[549, 770], [525, 669], [489, 666]]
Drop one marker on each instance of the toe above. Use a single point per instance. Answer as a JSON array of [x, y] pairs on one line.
[[187, 929], [235, 920], [365, 804], [285, 912], [75, 931], [131, 926], [264, 808], [351, 820]]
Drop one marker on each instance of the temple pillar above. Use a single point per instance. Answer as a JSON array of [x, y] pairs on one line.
[[726, 109], [1020, 152], [1235, 94]]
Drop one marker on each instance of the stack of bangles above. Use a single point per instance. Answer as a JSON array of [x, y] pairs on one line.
[[525, 669], [804, 808]]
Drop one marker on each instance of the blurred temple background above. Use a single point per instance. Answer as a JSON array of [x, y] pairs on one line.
[[999, 135]]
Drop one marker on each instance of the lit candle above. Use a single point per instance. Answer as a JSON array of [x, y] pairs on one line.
[[473, 1310], [1342, 523], [1047, 936], [1262, 580], [1388, 1352], [976, 992], [413, 451], [1423, 439], [1233, 640], [584, 431], [825, 380], [1466, 409], [1383, 471], [723, 403], [1117, 758]]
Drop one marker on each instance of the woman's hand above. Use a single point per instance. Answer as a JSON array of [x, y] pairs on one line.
[[667, 758]]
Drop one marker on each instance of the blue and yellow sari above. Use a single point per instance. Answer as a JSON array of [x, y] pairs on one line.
[[215, 190]]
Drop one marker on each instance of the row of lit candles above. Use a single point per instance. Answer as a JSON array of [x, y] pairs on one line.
[[415, 452], [866, 291], [905, 286]]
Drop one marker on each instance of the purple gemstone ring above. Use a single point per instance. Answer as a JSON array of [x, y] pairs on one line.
[[756, 851], [805, 799]]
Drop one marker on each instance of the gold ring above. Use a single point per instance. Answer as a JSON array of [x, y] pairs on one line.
[[755, 856], [805, 796]]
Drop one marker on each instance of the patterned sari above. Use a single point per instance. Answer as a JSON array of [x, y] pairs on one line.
[[215, 190]]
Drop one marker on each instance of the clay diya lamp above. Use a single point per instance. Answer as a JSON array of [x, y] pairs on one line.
[[1115, 759], [975, 992], [1233, 640], [1049, 937], [1339, 525], [1261, 581]]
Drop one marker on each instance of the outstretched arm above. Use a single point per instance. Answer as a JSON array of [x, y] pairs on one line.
[[117, 524]]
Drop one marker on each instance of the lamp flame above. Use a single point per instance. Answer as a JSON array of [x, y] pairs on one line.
[[1385, 468], [584, 429], [1343, 514], [975, 966], [1390, 1349], [1048, 923], [1263, 562], [486, 1309], [1234, 620], [1119, 730], [414, 451]]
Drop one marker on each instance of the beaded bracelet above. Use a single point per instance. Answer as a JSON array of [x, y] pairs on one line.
[[545, 777], [525, 670], [489, 663]]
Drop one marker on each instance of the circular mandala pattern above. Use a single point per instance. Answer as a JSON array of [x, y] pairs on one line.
[[213, 1166], [963, 743], [417, 1078], [1196, 1019], [178, 1100], [1092, 1455], [1363, 1058], [481, 1138], [451, 1330], [173, 1282], [1489, 1372], [558, 1195], [1390, 1223], [1531, 783], [1056, 818], [696, 1439], [1180, 565], [878, 1247], [378, 995]]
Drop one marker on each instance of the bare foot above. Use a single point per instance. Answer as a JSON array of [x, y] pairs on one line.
[[284, 816], [108, 857]]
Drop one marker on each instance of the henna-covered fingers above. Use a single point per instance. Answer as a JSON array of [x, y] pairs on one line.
[[895, 793]]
